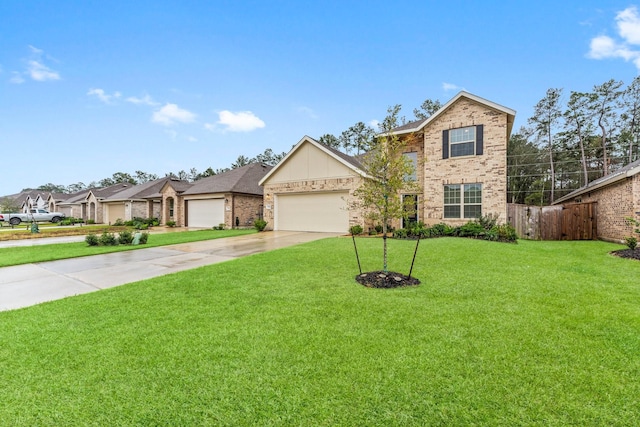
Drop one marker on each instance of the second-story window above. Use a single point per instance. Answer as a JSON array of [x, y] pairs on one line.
[[413, 158], [460, 142]]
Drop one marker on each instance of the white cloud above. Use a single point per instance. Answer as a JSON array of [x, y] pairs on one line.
[[40, 72], [36, 68], [374, 123], [145, 100], [103, 96], [35, 50], [628, 28], [448, 87], [629, 25], [171, 114], [241, 121]]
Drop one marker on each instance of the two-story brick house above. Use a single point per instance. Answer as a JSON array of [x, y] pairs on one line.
[[460, 153]]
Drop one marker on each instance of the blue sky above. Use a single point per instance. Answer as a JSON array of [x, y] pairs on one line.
[[89, 88]]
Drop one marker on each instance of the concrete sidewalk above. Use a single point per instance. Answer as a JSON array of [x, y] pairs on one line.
[[30, 284]]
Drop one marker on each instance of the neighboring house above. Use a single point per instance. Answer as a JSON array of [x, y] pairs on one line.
[[461, 157], [92, 207], [311, 189], [232, 198], [32, 200], [134, 201], [617, 196], [69, 204]]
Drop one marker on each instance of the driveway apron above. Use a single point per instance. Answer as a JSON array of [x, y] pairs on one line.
[[30, 284]]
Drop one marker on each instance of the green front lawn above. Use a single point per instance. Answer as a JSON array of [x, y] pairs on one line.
[[538, 333], [41, 253]]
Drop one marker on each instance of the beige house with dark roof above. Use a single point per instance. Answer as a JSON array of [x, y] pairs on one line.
[[461, 158], [232, 198], [135, 201]]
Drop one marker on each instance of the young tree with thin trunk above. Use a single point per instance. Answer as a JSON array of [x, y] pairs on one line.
[[387, 169]]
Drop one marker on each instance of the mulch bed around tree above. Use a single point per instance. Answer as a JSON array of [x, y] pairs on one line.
[[627, 253], [380, 279]]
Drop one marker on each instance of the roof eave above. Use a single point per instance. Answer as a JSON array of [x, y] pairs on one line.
[[511, 114], [318, 145]]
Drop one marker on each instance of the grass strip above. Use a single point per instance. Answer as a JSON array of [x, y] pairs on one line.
[[41, 253]]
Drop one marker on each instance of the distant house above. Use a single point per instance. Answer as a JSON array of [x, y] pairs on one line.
[[232, 198], [460, 153], [32, 200], [617, 196], [134, 201]]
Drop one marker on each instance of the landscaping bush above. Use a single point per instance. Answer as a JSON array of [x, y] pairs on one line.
[[471, 229], [401, 233], [91, 221], [92, 240], [481, 228], [441, 229], [506, 233], [108, 239], [631, 242], [355, 230], [260, 224], [378, 228], [119, 222], [171, 223], [125, 237], [220, 226], [143, 238]]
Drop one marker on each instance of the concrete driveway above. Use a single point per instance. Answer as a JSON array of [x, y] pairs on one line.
[[30, 284]]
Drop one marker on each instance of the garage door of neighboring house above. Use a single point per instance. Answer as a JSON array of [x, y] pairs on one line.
[[116, 212], [205, 213], [325, 212]]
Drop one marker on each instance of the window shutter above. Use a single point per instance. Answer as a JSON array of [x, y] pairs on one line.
[[479, 140], [445, 144]]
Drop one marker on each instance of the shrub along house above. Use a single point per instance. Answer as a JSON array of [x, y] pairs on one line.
[[617, 196], [460, 153], [232, 198]]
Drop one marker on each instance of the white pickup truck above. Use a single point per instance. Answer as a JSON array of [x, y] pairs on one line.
[[37, 215]]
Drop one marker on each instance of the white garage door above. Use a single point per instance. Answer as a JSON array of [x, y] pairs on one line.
[[205, 213], [115, 212], [324, 212]]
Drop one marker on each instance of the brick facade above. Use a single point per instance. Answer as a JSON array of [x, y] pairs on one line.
[[616, 202], [488, 169], [168, 194], [246, 208]]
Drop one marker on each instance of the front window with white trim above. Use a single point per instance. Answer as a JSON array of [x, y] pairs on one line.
[[462, 201]]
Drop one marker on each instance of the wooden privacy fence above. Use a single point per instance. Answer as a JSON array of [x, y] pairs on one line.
[[575, 221]]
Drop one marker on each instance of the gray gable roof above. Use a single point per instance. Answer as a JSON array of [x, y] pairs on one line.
[[104, 192], [420, 124], [141, 191], [240, 180], [627, 171]]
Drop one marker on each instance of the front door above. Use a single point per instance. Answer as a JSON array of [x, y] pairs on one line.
[[410, 203]]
